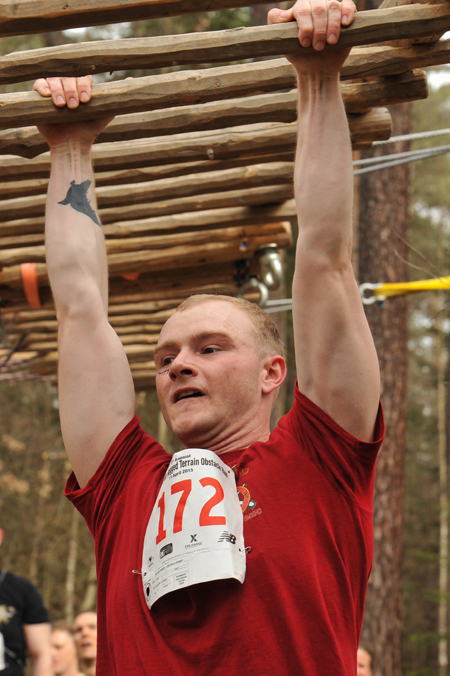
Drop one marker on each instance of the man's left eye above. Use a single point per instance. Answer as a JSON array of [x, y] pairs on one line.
[[209, 350]]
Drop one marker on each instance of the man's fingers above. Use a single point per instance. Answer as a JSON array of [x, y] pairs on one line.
[[65, 91], [85, 88], [334, 22], [280, 15], [71, 94], [41, 87], [348, 11], [319, 21], [303, 16]]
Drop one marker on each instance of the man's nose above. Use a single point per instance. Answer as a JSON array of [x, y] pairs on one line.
[[181, 366]]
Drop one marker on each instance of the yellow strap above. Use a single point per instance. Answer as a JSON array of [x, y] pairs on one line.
[[401, 288]]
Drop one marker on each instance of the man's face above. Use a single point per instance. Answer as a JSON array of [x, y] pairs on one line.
[[85, 635], [209, 375], [364, 663], [63, 652]]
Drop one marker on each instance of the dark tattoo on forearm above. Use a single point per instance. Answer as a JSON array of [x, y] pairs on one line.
[[78, 200]]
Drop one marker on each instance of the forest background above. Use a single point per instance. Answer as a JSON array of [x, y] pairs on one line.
[[48, 542]]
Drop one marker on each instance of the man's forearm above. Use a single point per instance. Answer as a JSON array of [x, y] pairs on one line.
[[323, 172], [75, 247]]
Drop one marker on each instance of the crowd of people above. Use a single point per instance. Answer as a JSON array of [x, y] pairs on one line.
[[59, 648]]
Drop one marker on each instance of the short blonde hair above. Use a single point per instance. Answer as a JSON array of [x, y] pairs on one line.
[[267, 335]]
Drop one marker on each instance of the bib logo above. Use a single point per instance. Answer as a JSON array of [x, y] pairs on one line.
[[245, 498]]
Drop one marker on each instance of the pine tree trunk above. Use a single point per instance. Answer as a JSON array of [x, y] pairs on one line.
[[441, 367], [383, 226]]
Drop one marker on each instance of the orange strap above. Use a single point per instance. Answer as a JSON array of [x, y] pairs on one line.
[[131, 276], [30, 284]]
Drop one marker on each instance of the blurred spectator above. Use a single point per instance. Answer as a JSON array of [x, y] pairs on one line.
[[24, 627], [64, 653], [85, 635], [363, 662]]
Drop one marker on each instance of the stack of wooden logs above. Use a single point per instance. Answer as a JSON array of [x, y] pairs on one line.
[[195, 172]]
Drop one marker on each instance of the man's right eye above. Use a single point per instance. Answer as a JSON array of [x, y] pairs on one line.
[[167, 361]]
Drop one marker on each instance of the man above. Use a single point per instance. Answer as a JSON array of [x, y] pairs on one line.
[[24, 627], [64, 654], [363, 662], [308, 485], [85, 635]]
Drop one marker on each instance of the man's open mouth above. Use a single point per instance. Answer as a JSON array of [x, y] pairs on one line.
[[188, 394]]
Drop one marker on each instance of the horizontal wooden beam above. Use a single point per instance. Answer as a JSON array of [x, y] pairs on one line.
[[268, 194], [11, 187], [237, 142], [166, 288], [412, 21], [125, 196], [182, 88], [181, 222], [383, 60], [217, 278], [274, 107], [174, 257], [19, 17], [161, 244]]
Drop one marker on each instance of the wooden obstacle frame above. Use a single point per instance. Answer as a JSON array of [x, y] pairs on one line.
[[194, 175]]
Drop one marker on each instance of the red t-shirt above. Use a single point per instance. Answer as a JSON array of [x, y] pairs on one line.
[[307, 501]]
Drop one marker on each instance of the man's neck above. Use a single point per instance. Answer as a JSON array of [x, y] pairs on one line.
[[70, 671], [87, 667]]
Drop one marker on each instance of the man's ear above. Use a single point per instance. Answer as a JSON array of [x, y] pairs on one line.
[[274, 373], [2, 533]]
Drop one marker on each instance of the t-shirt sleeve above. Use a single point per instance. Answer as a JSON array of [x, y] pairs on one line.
[[34, 611], [347, 462], [131, 449]]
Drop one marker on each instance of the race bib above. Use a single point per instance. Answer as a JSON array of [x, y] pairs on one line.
[[195, 532]]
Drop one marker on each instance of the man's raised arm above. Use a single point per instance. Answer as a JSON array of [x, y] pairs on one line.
[[96, 393], [337, 366]]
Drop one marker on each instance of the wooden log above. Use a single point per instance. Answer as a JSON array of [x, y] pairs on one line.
[[381, 61], [173, 258], [275, 107], [217, 278], [18, 188], [182, 88], [189, 280], [197, 146], [145, 193], [215, 201], [214, 218], [413, 21], [160, 310], [147, 344], [191, 221], [396, 3], [36, 254], [190, 87], [198, 255], [19, 17], [237, 142], [206, 279]]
